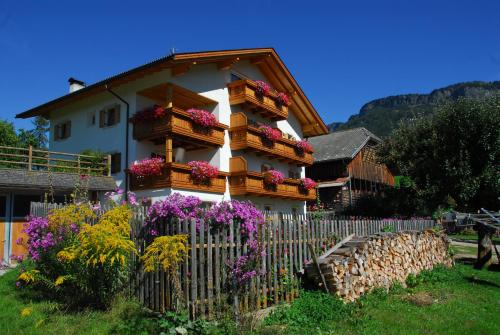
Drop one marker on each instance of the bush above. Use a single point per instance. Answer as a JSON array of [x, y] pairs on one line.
[[75, 262]]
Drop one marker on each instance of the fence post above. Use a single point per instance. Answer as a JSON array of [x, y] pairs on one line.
[[30, 157]]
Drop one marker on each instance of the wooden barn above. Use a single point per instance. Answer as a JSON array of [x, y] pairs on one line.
[[346, 168]]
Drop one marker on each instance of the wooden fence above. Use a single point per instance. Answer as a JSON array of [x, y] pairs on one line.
[[204, 273]]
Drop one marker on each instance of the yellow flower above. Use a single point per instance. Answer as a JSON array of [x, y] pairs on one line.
[[60, 280], [65, 255], [26, 311], [28, 276], [169, 251]]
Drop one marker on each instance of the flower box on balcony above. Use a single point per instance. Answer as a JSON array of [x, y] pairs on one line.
[[245, 136], [247, 92], [178, 122], [178, 176], [244, 182]]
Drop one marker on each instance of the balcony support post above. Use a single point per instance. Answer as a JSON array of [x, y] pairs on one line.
[[170, 97], [168, 149]]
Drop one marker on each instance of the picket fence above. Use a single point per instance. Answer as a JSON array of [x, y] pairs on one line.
[[203, 274]]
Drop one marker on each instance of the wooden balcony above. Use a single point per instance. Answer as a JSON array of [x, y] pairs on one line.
[[244, 182], [176, 175], [177, 123], [243, 92], [245, 136]]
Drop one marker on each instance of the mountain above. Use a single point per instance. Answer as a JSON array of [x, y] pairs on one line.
[[381, 116]]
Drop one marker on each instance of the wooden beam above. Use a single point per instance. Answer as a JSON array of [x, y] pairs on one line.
[[258, 60], [226, 64], [180, 69], [309, 127]]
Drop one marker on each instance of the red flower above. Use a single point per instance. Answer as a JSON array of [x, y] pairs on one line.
[[304, 146], [202, 171], [263, 88], [202, 117], [148, 114], [282, 99], [270, 133], [147, 167], [273, 177], [308, 184]]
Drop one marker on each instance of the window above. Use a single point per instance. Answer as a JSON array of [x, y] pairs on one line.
[[62, 130], [116, 162], [293, 174], [22, 204], [3, 206], [109, 116], [91, 118]]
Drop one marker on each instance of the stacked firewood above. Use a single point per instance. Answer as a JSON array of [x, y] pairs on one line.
[[364, 263]]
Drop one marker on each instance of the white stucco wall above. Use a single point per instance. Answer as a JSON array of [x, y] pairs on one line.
[[206, 80]]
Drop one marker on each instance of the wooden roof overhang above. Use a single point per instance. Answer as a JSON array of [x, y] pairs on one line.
[[266, 59]]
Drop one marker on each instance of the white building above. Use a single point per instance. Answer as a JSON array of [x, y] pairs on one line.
[[222, 82]]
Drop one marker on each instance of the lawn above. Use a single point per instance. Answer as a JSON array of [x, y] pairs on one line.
[[454, 301], [446, 301], [468, 237]]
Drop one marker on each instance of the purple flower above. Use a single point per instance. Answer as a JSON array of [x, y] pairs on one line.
[[18, 284], [19, 241]]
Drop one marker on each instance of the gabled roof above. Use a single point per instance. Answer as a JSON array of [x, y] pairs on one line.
[[266, 59], [343, 144]]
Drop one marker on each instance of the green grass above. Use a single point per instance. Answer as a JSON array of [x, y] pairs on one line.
[[446, 301], [48, 317], [453, 301], [469, 237], [464, 250]]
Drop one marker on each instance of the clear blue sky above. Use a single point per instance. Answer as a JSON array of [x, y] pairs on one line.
[[343, 53]]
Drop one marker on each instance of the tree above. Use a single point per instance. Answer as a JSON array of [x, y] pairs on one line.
[[451, 156], [40, 131], [8, 136]]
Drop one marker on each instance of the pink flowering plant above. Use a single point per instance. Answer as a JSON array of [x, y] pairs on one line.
[[282, 99], [147, 167], [202, 172], [269, 133], [303, 146], [202, 117], [149, 114], [263, 88], [273, 177], [307, 184]]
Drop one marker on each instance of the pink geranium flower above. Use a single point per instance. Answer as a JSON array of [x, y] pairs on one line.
[[202, 117], [270, 133], [307, 184], [263, 88], [147, 167], [273, 177], [202, 171], [304, 146]]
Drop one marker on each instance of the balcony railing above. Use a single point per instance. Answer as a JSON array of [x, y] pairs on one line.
[[178, 122], [177, 175], [244, 182], [245, 136], [40, 160], [243, 92]]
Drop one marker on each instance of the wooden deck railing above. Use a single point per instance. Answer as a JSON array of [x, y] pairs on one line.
[[245, 136], [178, 176], [243, 92], [40, 160], [244, 182]]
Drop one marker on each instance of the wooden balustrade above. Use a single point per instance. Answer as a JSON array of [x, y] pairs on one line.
[[244, 182], [178, 176], [243, 92], [245, 136], [40, 160], [178, 122]]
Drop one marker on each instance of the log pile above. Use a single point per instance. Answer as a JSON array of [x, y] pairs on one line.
[[364, 263]]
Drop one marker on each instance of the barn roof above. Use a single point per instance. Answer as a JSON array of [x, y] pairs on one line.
[[343, 144]]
